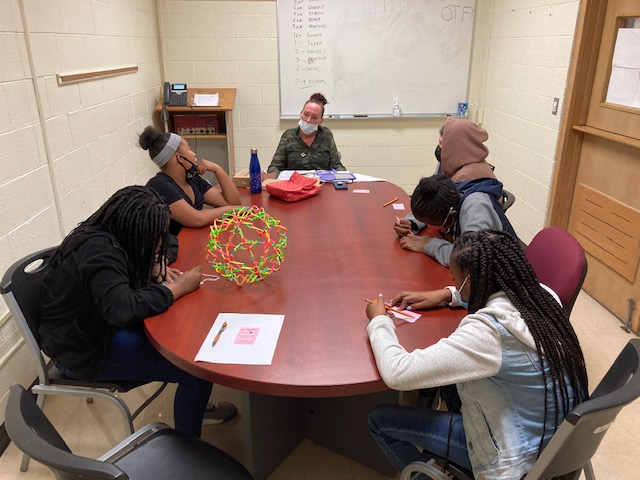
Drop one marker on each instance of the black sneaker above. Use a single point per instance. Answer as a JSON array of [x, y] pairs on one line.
[[219, 412]]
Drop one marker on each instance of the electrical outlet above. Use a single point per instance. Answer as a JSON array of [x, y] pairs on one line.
[[554, 106]]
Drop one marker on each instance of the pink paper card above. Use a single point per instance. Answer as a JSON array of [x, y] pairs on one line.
[[247, 336], [398, 206], [361, 190], [406, 315]]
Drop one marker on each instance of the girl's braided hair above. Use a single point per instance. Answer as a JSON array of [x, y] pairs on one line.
[[138, 218], [494, 262], [434, 197]]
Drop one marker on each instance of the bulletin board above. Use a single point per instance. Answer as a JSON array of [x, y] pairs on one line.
[[366, 55]]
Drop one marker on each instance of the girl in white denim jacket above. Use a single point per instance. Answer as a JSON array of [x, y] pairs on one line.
[[510, 405]]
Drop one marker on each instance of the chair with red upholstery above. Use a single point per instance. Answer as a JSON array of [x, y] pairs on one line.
[[559, 262]]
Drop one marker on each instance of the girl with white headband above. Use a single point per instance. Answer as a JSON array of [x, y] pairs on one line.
[[181, 185]]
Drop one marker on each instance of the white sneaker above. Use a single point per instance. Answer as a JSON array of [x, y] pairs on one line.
[[219, 412]]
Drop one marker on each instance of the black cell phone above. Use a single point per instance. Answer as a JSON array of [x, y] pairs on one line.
[[339, 185]]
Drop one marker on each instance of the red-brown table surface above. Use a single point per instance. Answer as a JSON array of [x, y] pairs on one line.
[[341, 249]]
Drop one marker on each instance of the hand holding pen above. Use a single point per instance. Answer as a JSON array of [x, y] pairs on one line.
[[378, 307]]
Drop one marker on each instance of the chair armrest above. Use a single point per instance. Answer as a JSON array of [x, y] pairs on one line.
[[130, 443]]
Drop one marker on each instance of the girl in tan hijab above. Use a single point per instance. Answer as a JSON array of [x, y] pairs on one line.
[[464, 155], [465, 174]]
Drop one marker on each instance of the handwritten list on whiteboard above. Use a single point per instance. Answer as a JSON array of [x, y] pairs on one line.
[[364, 55]]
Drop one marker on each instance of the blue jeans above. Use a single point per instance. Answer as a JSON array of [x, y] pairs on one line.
[[132, 358], [399, 430]]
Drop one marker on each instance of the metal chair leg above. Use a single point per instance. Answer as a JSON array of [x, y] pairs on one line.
[[135, 414]]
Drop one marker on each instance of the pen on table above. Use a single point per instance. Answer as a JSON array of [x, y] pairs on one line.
[[387, 307], [391, 201], [222, 329]]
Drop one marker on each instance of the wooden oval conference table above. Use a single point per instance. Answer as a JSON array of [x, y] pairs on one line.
[[341, 250]]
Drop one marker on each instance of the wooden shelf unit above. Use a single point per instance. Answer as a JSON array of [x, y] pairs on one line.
[[224, 112]]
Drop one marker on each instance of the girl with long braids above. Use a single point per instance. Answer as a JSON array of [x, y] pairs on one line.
[[100, 287], [514, 358]]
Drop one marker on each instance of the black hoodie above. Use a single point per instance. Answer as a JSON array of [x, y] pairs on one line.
[[86, 296]]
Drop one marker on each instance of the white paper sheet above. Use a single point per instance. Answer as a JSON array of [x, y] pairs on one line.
[[206, 99], [367, 178], [624, 82], [249, 339], [286, 175]]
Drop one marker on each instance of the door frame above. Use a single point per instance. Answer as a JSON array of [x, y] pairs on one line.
[[584, 57]]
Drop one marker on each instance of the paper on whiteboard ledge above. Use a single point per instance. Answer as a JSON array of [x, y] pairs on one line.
[[205, 99]]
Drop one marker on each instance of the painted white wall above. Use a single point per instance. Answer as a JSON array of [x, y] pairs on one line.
[[528, 56], [65, 149]]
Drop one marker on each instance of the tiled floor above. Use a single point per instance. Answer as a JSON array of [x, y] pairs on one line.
[[92, 429]]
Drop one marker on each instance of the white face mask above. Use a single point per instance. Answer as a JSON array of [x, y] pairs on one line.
[[306, 127]]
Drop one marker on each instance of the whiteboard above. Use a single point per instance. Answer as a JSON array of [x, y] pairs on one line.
[[364, 55]]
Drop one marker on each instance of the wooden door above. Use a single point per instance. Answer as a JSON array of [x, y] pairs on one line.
[[595, 194]]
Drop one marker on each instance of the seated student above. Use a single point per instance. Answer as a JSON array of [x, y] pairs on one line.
[[309, 146], [106, 277], [461, 155], [181, 185], [518, 370], [437, 201]]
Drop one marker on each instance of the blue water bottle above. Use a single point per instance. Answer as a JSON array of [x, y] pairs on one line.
[[255, 175]]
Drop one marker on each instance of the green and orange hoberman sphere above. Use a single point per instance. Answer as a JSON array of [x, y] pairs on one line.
[[246, 245]]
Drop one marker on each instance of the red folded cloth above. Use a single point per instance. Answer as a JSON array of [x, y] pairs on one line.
[[298, 187]]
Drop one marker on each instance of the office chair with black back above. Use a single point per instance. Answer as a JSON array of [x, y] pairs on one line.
[[508, 199], [571, 448], [559, 262], [154, 452], [20, 289]]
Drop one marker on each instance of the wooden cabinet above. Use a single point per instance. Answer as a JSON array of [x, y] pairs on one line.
[[191, 121]]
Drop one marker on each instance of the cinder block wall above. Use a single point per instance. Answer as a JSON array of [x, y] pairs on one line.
[[234, 44], [66, 149], [529, 53]]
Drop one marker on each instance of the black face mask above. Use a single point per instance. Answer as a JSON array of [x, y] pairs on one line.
[[192, 171], [438, 152]]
